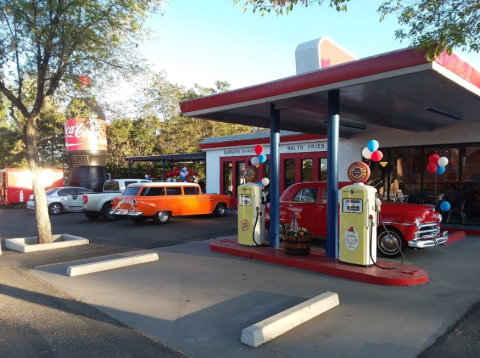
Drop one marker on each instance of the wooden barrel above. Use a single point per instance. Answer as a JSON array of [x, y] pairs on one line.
[[298, 245]]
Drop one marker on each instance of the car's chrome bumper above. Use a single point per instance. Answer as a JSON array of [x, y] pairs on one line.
[[440, 239], [123, 212]]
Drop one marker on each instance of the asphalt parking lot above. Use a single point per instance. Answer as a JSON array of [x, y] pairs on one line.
[[44, 314]]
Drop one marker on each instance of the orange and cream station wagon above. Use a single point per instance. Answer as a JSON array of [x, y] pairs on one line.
[[162, 200]]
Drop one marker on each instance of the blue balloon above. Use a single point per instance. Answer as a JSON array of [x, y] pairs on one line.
[[182, 170], [259, 183], [440, 170], [262, 158], [372, 145], [445, 206]]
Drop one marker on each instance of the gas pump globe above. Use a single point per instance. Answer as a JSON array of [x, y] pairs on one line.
[[359, 208]]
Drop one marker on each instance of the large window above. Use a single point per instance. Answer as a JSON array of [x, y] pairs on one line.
[[307, 169], [322, 169], [240, 170], [289, 172], [435, 185], [227, 176], [470, 180], [405, 173]]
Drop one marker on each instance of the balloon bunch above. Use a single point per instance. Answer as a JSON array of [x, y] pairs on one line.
[[436, 164], [264, 182], [371, 151], [183, 174], [148, 177], [260, 158]]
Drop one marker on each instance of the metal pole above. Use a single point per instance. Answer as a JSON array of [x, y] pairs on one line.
[[332, 173], [163, 175], [274, 176]]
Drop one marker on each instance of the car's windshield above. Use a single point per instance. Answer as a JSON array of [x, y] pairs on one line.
[[50, 191], [133, 190]]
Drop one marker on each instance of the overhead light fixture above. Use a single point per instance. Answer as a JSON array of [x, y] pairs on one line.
[[351, 125], [443, 113]]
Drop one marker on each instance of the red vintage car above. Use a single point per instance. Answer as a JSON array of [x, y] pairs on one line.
[[410, 225]]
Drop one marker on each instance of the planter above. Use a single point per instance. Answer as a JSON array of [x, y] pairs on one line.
[[297, 245], [30, 244]]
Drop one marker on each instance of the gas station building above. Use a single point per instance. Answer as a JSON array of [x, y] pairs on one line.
[[322, 118]]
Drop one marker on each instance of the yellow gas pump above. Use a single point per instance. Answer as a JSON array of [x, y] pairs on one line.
[[250, 215], [358, 220]]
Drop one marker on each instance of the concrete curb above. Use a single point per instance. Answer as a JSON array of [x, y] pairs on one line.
[[30, 244], [282, 322], [85, 269]]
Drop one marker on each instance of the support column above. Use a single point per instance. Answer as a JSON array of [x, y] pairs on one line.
[[163, 165], [332, 173], [274, 176], [129, 169]]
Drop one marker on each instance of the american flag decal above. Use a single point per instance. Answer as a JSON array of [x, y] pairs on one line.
[[294, 223]]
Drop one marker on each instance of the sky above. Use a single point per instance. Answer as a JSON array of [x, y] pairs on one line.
[[201, 42]]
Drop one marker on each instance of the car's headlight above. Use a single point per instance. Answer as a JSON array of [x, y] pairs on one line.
[[440, 218], [417, 222]]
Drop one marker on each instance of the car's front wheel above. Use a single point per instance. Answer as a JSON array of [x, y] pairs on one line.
[[55, 209], [92, 215], [162, 217], [106, 212], [221, 209], [390, 243]]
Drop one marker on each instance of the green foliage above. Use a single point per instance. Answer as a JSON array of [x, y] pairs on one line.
[[432, 26]]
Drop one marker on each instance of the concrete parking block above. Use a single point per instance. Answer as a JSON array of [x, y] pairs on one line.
[[30, 244], [93, 267], [282, 322]]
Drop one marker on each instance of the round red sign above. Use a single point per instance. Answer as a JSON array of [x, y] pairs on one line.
[[358, 172]]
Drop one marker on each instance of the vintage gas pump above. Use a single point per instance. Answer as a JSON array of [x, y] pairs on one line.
[[359, 208], [250, 215]]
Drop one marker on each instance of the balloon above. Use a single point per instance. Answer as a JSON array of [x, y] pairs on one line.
[[146, 176], [262, 158], [186, 173], [258, 149], [432, 168], [182, 170], [443, 161], [453, 164], [433, 158], [377, 156], [259, 182], [372, 145], [453, 168], [445, 206], [150, 176], [366, 153], [440, 170], [265, 181], [255, 161]]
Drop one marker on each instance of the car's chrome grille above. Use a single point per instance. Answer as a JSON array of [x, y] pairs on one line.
[[427, 231]]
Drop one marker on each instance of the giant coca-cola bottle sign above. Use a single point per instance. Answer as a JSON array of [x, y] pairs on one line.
[[89, 134]]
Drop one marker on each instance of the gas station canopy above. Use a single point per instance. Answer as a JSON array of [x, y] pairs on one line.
[[400, 90]]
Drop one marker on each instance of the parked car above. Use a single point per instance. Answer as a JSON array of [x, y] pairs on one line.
[[161, 201], [96, 205], [411, 225], [57, 198]]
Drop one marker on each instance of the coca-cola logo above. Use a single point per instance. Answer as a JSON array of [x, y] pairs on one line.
[[82, 130]]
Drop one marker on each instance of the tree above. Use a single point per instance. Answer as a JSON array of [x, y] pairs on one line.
[[432, 26], [47, 44]]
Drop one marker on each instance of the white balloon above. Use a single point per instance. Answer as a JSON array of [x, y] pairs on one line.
[[443, 161], [186, 173], [184, 168], [265, 181], [255, 161], [366, 153]]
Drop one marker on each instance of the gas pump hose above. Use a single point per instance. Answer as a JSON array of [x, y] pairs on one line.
[[388, 233], [253, 233]]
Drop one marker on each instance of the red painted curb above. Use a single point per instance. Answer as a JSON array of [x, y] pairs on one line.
[[317, 262], [455, 236]]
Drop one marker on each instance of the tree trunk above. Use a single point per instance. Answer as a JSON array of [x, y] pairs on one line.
[[44, 228]]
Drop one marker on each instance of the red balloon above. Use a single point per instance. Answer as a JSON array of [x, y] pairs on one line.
[[432, 167], [434, 158], [258, 149], [377, 156]]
